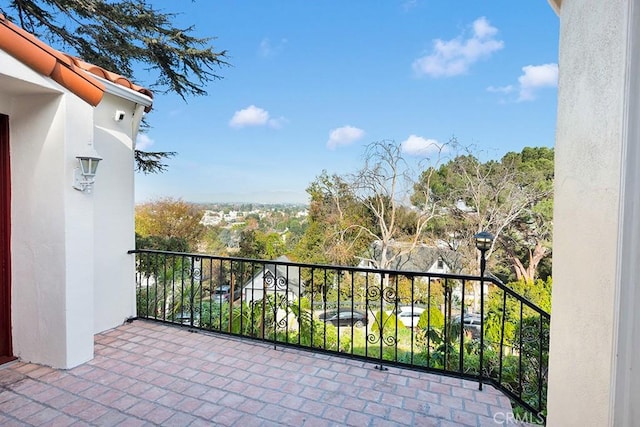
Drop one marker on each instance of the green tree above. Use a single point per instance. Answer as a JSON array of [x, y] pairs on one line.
[[215, 240], [512, 198], [259, 245], [169, 218], [527, 240], [333, 234], [120, 35]]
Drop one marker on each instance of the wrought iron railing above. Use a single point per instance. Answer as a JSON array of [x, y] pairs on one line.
[[425, 321]]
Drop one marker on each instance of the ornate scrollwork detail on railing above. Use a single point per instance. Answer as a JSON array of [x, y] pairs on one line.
[[373, 292], [386, 294], [196, 272], [275, 304], [279, 283], [388, 340], [282, 322], [373, 338], [389, 294], [268, 281]]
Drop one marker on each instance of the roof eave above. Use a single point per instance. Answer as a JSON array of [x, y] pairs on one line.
[[555, 5], [126, 93]]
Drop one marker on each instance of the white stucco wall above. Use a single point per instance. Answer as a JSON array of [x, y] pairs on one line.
[[594, 326], [52, 266], [71, 274], [114, 213]]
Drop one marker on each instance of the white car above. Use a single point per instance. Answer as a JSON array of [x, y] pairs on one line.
[[409, 316]]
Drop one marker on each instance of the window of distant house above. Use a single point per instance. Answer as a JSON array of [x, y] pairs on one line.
[[440, 264]]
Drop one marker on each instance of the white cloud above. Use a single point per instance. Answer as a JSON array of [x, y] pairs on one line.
[[536, 77], [277, 123], [419, 146], [143, 142], [344, 135], [454, 57], [255, 116], [533, 78], [267, 49]]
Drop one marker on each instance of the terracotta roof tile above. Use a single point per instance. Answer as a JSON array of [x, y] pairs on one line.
[[67, 70]]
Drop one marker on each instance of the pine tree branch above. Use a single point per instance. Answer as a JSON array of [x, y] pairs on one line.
[[151, 161]]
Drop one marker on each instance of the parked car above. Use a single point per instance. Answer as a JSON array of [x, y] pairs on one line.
[[471, 324], [220, 295], [471, 320], [354, 318], [409, 316], [327, 314]]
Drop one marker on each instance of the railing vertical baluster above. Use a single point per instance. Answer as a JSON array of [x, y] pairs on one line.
[[230, 314], [155, 296], [381, 322], [413, 327], [324, 309], [481, 329], [232, 297], [163, 291], [300, 328], [395, 314], [190, 289], [520, 355], [337, 280], [183, 261], [201, 288], [429, 322], [367, 310], [211, 287], [504, 315], [259, 268], [174, 266], [248, 300], [540, 336], [215, 306], [313, 323], [352, 308], [286, 296], [233, 281], [447, 322], [461, 346]]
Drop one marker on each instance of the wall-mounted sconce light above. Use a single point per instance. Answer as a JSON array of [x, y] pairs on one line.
[[85, 173]]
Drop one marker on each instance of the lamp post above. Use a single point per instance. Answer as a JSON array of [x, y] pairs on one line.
[[484, 240]]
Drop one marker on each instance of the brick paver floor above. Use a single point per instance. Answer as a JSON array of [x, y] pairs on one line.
[[147, 374]]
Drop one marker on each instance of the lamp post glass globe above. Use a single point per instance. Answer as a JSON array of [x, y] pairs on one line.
[[484, 239]]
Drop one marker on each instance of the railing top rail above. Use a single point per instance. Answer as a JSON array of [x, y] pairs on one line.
[[446, 276]]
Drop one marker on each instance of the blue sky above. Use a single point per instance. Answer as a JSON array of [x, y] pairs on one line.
[[311, 83]]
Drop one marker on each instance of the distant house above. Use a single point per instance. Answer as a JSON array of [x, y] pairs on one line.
[[210, 218], [422, 258], [64, 269], [274, 279]]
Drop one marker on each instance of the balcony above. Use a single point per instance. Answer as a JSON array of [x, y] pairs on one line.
[[149, 373], [244, 342]]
